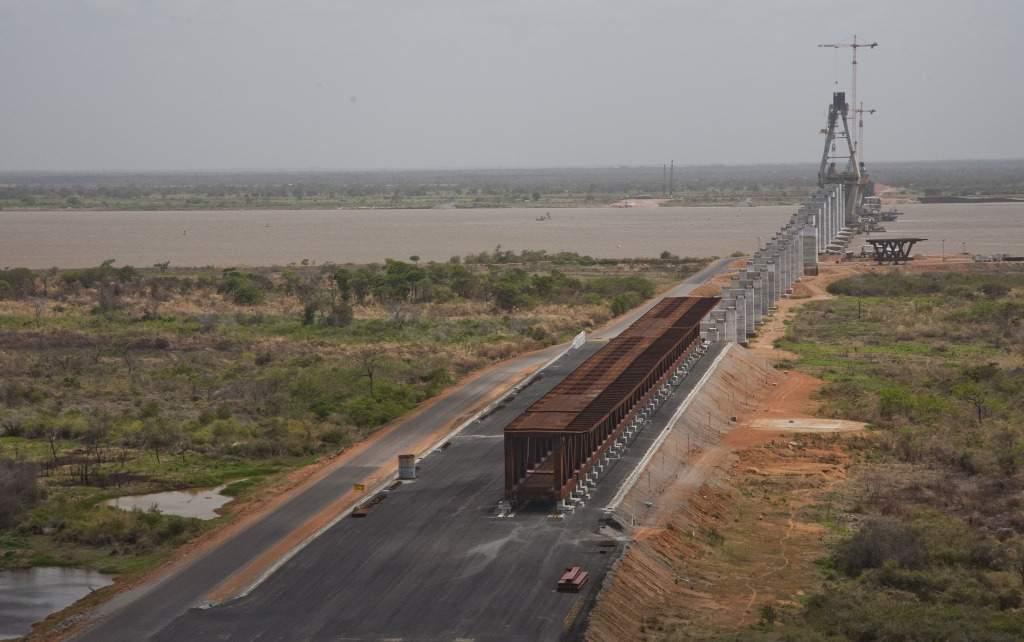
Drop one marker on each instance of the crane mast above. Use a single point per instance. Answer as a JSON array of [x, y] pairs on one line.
[[859, 145]]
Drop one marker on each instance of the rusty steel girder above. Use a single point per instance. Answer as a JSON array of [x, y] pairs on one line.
[[560, 437]]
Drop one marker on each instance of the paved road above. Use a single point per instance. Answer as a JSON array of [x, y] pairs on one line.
[[433, 561], [414, 558]]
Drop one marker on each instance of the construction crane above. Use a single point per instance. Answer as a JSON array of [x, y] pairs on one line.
[[859, 146], [853, 46]]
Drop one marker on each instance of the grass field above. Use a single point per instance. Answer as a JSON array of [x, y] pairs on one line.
[[927, 538]]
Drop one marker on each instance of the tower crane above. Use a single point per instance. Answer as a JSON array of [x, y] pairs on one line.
[[860, 111], [854, 46]]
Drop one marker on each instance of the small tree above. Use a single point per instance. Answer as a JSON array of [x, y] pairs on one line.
[[53, 432], [19, 489], [975, 394], [339, 316], [1016, 557], [309, 309], [361, 282], [370, 359], [156, 436], [108, 298], [343, 285]]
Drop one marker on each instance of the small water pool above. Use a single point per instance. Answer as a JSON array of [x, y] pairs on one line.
[[202, 504], [28, 596]]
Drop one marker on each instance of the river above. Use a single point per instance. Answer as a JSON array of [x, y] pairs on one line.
[[67, 238]]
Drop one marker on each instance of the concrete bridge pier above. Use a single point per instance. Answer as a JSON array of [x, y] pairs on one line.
[[841, 218], [760, 296], [766, 278], [816, 227], [829, 220], [748, 303], [784, 265], [781, 272], [768, 269], [819, 226], [826, 214], [785, 262], [731, 331], [810, 253], [719, 318], [740, 297], [837, 215], [795, 266]]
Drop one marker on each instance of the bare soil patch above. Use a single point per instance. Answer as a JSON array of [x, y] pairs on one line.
[[812, 425]]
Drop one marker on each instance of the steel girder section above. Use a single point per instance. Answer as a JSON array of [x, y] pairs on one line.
[[559, 439]]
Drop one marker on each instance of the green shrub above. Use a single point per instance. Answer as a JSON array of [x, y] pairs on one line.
[[244, 288], [623, 303], [17, 283], [610, 286], [390, 401], [141, 530], [863, 612], [104, 274], [19, 489], [880, 540]]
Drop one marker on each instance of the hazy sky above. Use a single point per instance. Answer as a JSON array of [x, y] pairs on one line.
[[346, 84]]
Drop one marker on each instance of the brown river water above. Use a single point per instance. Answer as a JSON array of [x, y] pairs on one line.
[[65, 238]]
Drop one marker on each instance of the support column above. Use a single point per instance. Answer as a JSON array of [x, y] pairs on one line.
[[828, 224], [731, 332], [842, 207], [748, 304], [810, 253], [718, 316], [819, 225], [771, 277], [760, 297], [740, 297]]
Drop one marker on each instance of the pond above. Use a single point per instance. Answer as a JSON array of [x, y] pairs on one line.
[[202, 504], [28, 596]]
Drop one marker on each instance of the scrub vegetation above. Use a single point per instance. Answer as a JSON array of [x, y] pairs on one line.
[[120, 380], [928, 540], [408, 189], [543, 188]]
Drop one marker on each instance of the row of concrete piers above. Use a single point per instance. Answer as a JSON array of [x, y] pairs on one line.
[[817, 227], [832, 219]]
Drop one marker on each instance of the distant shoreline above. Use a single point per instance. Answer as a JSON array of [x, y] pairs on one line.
[[969, 200], [568, 204], [626, 204]]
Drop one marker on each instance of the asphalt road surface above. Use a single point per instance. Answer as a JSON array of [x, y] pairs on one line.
[[431, 562]]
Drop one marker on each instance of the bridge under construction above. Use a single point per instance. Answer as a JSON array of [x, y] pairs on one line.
[[432, 558], [558, 449]]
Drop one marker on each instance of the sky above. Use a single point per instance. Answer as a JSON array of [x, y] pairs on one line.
[[153, 85]]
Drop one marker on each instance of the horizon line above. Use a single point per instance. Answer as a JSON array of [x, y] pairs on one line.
[[481, 168]]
